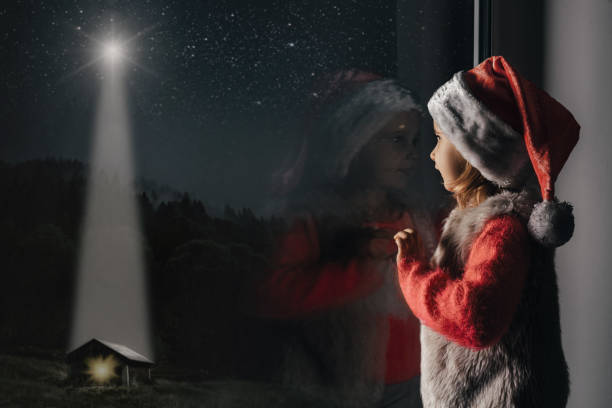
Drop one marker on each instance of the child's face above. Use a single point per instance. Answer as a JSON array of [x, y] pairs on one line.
[[389, 159], [449, 161]]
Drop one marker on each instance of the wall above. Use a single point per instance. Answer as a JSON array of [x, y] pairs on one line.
[[577, 67], [564, 46]]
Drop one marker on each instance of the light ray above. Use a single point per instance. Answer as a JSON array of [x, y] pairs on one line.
[[141, 33], [79, 69], [111, 296], [140, 66]]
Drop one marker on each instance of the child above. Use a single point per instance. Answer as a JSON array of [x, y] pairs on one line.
[[488, 302]]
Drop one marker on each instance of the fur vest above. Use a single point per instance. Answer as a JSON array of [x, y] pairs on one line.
[[526, 368]]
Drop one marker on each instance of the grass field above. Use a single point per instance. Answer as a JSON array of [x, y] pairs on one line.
[[27, 381]]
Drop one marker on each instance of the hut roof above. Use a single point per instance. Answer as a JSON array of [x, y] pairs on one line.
[[120, 349]]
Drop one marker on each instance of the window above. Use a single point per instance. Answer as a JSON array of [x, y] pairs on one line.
[[250, 155]]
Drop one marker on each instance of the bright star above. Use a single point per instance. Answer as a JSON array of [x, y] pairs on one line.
[[112, 51]]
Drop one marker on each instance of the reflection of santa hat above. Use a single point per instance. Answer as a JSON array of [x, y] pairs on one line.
[[346, 124], [507, 128], [352, 107], [347, 109]]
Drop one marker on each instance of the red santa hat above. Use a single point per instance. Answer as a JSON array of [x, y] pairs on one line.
[[509, 129]]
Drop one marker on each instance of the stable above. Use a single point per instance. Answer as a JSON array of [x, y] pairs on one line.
[[101, 362]]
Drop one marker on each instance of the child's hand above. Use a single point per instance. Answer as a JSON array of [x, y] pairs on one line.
[[409, 244]]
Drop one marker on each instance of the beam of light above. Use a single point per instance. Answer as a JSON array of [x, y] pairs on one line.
[[101, 369], [111, 297]]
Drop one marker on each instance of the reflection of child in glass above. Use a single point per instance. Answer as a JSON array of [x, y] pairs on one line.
[[334, 272], [487, 301]]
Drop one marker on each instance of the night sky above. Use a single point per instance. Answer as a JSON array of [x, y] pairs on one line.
[[217, 89]]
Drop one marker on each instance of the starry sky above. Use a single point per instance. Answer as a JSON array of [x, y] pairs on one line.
[[216, 89]]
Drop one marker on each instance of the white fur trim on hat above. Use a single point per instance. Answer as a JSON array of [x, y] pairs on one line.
[[483, 139]]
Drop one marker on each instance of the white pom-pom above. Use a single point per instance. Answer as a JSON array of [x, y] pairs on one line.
[[551, 223]]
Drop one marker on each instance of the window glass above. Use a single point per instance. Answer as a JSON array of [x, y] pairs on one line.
[[206, 191]]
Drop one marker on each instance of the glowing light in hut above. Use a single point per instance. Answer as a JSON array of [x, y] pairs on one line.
[[102, 369]]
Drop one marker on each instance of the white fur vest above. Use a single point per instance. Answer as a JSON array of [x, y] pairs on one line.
[[526, 368]]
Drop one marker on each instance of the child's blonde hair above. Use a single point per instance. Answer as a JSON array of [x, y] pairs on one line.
[[471, 188]]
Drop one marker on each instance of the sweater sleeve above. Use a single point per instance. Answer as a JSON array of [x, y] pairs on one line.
[[475, 310], [301, 283]]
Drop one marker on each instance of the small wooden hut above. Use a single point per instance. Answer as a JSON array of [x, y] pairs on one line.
[[101, 362]]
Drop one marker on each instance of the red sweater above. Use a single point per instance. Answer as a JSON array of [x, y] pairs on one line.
[[301, 285], [475, 310]]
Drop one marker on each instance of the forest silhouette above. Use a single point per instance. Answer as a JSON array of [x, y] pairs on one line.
[[201, 270]]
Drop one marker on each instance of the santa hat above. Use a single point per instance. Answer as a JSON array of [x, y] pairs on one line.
[[507, 128]]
